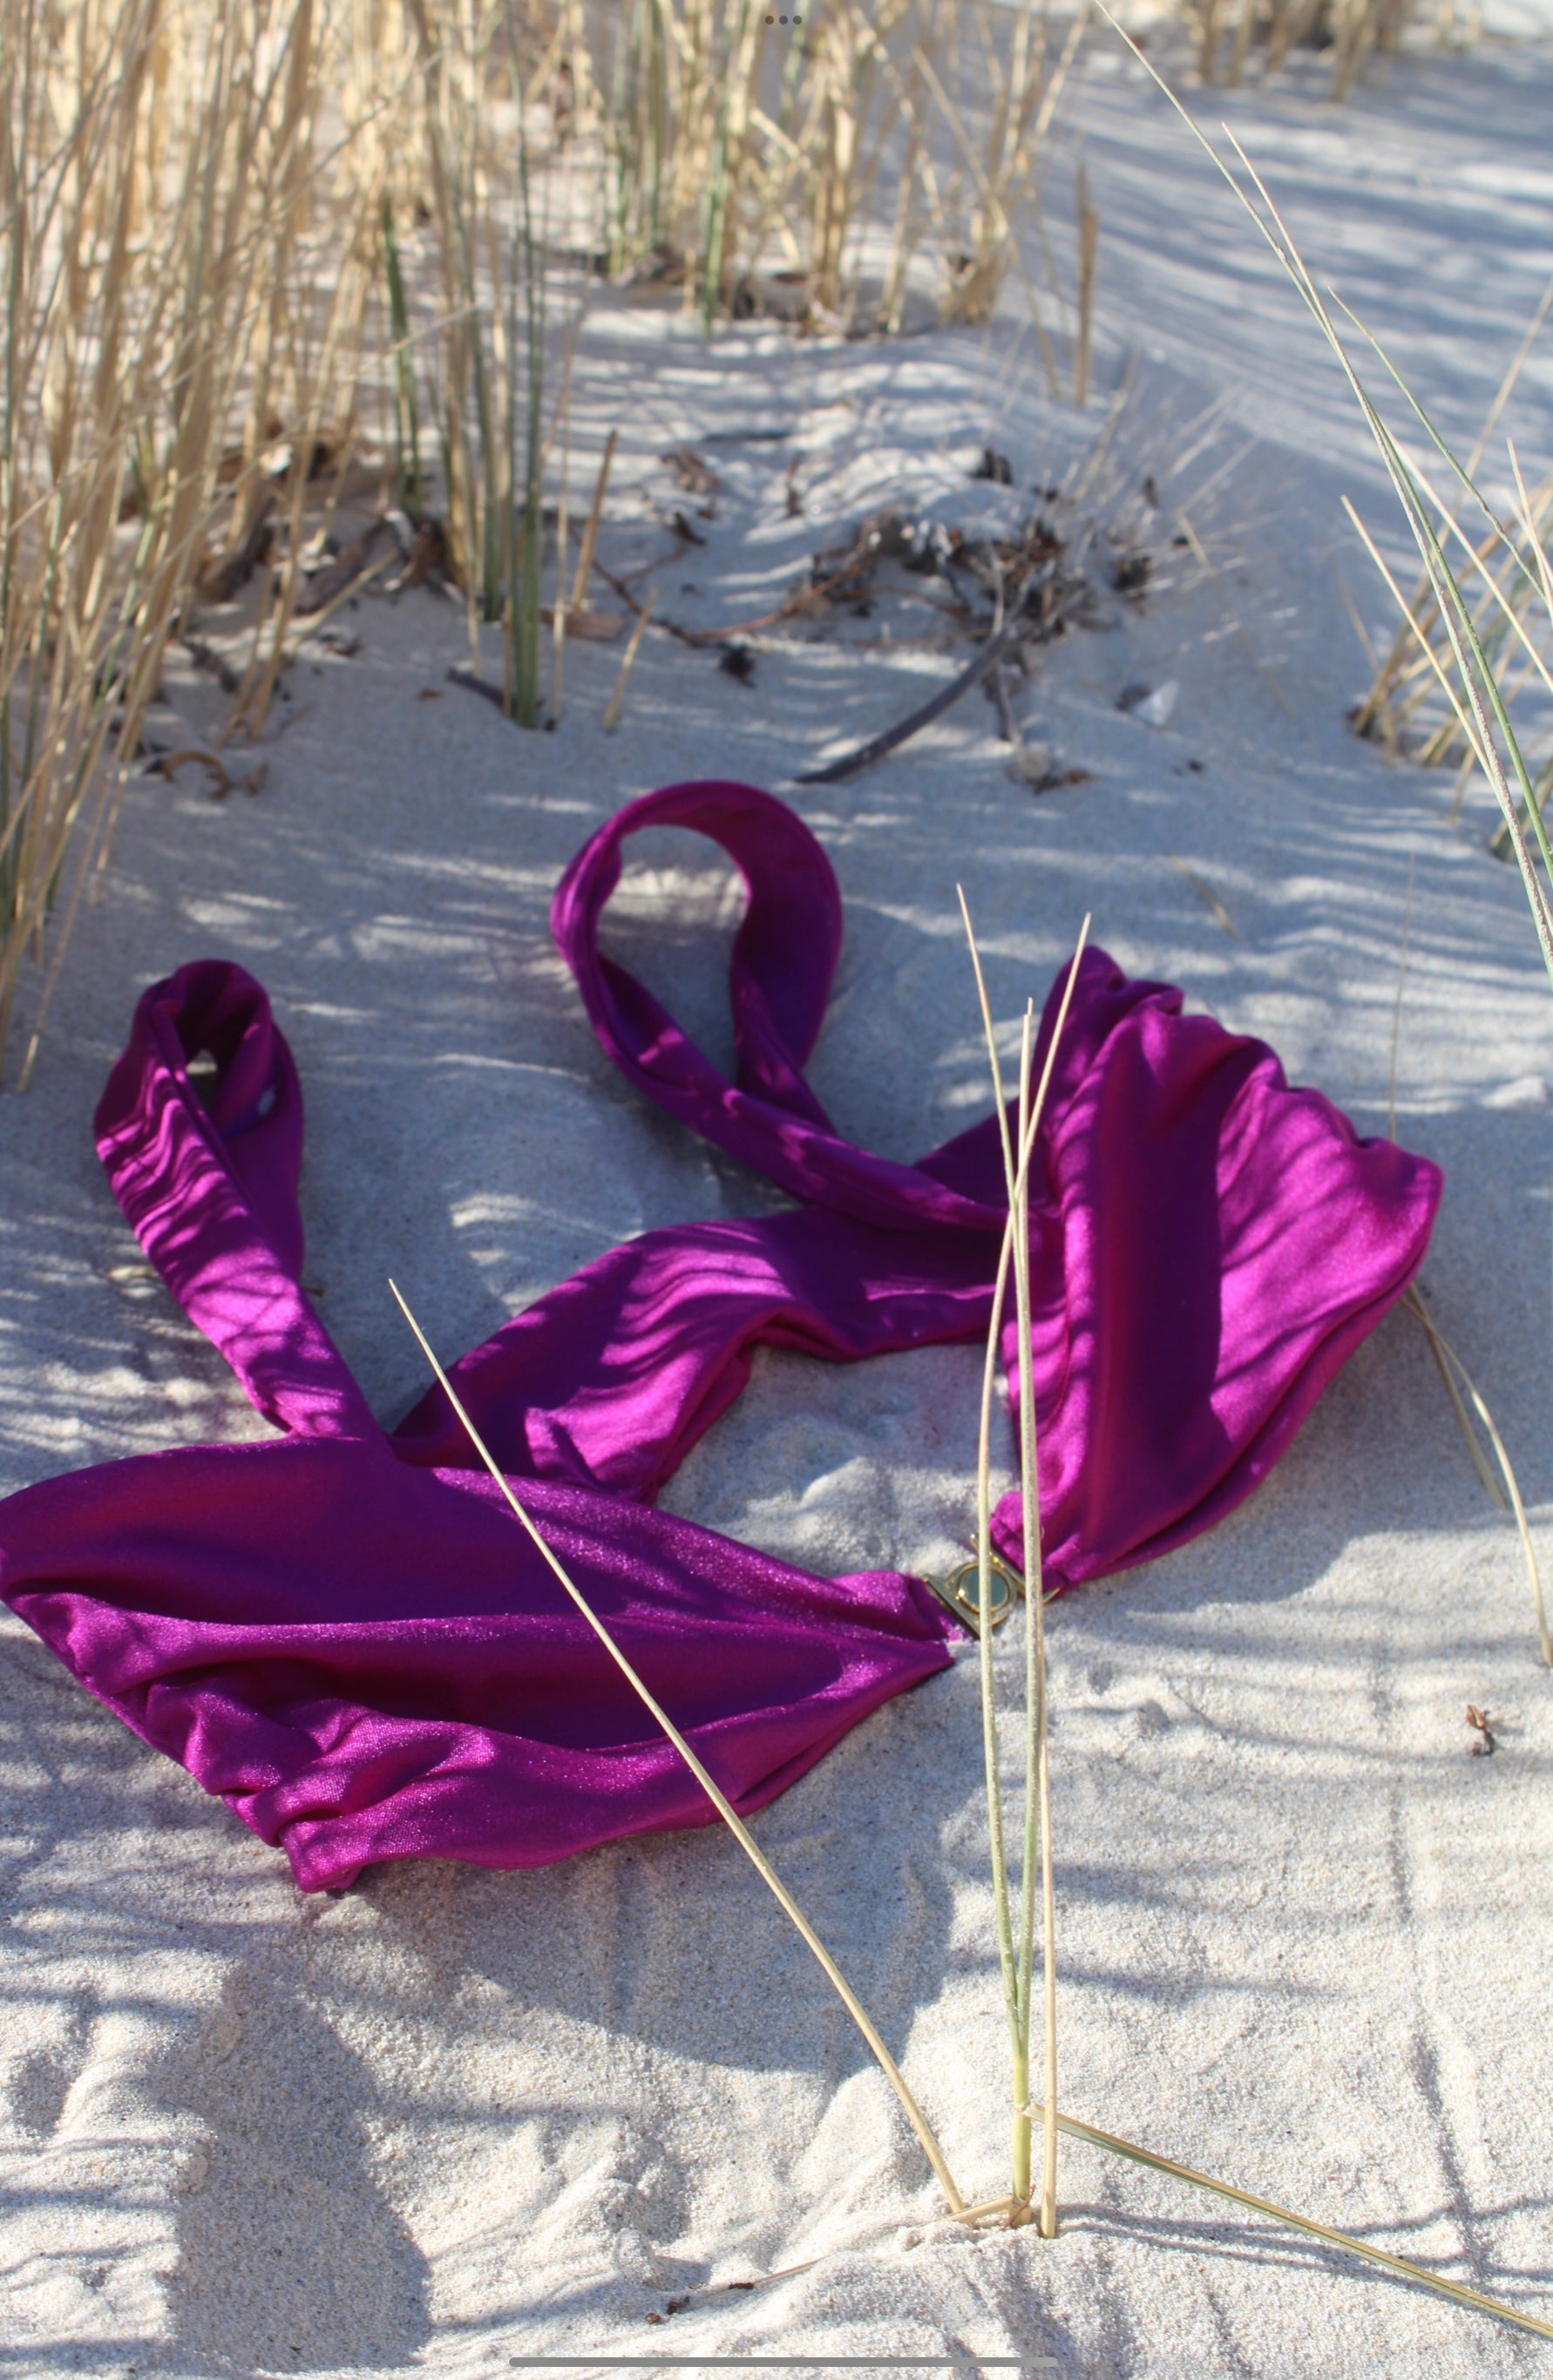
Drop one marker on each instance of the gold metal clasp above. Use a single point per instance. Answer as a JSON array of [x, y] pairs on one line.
[[962, 1592]]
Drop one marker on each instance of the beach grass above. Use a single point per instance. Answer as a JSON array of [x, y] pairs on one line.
[[176, 360], [1017, 1945], [736, 151], [218, 226], [166, 375], [1227, 34]]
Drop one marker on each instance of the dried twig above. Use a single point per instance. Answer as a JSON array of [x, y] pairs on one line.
[[167, 764], [627, 662], [878, 747], [336, 578], [1482, 1722], [1205, 891], [590, 534], [1397, 1010]]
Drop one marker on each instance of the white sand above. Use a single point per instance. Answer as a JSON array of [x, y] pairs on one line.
[[456, 2117]]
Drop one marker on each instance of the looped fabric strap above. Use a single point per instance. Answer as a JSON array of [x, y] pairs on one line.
[[342, 1632], [779, 982]]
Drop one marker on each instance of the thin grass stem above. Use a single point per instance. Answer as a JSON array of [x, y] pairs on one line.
[[590, 534], [1116, 2146], [1036, 1833], [1397, 1010], [1448, 1361], [1464, 718], [708, 1785], [1018, 1964]]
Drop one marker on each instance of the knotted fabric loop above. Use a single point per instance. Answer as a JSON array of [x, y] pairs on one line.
[[783, 958]]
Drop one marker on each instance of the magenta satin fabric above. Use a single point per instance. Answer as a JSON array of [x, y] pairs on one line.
[[343, 1631]]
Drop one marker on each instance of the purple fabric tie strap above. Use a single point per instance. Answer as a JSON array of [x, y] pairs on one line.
[[342, 1630]]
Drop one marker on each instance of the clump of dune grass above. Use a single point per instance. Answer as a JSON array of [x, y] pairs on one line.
[[167, 194], [1417, 698], [209, 220], [1228, 34], [741, 155], [198, 214]]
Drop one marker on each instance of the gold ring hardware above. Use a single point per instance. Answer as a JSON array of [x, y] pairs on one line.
[[961, 1591]]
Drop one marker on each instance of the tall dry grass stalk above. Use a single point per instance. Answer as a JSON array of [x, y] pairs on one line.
[[1088, 249], [1114, 2146]]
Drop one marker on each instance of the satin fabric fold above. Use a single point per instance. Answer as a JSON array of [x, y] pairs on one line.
[[343, 1632]]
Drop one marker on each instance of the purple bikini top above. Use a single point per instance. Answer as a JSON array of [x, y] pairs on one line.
[[343, 1632]]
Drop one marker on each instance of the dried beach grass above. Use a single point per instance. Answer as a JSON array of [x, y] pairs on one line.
[[1507, 580], [1344, 2241], [163, 186], [755, 168], [1348, 32], [210, 219]]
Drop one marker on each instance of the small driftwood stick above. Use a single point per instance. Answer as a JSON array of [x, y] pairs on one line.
[[627, 662], [167, 764], [590, 534], [793, 608], [993, 651]]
